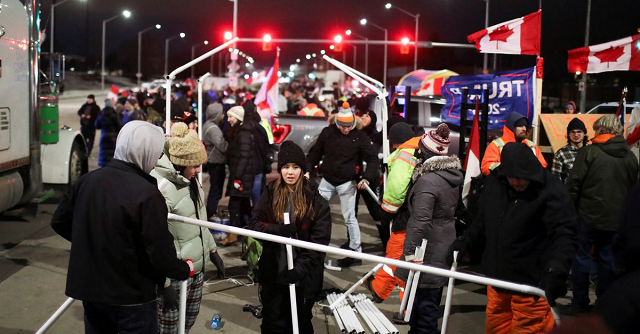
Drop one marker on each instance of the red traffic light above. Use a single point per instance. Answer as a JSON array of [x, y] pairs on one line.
[[228, 35], [338, 45], [404, 47], [266, 44]]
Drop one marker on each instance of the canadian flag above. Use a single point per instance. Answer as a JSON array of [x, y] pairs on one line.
[[620, 55], [519, 36], [267, 97], [472, 161], [113, 93]]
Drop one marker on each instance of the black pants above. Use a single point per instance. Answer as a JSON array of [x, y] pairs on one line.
[[106, 319], [425, 311], [217, 175], [239, 210], [89, 135], [276, 310]]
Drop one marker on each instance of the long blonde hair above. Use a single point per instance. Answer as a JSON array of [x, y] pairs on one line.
[[281, 193]]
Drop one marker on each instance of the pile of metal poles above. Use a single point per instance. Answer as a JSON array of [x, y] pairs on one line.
[[348, 321]]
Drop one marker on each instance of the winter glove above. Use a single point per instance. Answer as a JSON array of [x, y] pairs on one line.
[[191, 268], [238, 185], [169, 297], [217, 261], [554, 285], [292, 276], [461, 244], [288, 230]]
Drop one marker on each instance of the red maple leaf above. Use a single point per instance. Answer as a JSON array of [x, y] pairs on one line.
[[609, 55], [501, 34]]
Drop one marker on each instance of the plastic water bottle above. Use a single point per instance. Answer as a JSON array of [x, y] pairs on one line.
[[215, 322]]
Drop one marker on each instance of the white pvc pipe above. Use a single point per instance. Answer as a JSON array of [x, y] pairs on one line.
[[373, 195], [447, 303], [292, 287], [363, 314], [379, 327], [375, 312], [356, 284], [183, 307], [336, 314], [182, 68], [200, 115], [416, 280], [368, 257], [56, 315]]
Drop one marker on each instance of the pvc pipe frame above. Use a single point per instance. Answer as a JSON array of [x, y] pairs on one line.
[[200, 115], [416, 280], [355, 285], [183, 307], [181, 69], [447, 303], [292, 287], [371, 258], [373, 195]]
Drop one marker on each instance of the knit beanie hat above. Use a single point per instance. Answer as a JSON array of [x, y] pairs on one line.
[[185, 148], [400, 133], [576, 124], [290, 152], [345, 116], [177, 114], [436, 141], [237, 112]]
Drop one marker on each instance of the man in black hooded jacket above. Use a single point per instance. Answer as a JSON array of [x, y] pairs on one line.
[[529, 223]]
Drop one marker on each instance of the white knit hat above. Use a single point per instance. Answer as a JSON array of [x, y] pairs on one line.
[[436, 141], [237, 112]]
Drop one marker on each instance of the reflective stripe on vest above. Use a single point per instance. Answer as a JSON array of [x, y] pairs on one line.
[[500, 143]]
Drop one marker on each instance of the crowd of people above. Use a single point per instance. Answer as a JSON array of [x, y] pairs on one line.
[[540, 226]]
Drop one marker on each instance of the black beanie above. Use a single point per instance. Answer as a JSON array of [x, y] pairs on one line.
[[400, 133], [576, 124], [290, 152]]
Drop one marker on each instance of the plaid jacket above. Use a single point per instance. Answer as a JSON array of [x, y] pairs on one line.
[[563, 161]]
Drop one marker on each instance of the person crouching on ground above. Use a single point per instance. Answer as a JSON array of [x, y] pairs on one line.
[[176, 172], [310, 220]]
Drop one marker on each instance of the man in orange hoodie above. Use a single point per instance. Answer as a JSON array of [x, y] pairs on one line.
[[515, 129]]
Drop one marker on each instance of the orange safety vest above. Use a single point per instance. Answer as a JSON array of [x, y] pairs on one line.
[[311, 110]]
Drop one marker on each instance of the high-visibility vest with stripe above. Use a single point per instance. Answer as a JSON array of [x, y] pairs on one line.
[[500, 143], [267, 128], [401, 165], [311, 110]]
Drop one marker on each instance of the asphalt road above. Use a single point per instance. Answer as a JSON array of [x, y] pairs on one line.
[[34, 259]]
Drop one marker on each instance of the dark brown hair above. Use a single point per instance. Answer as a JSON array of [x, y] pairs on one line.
[[281, 193]]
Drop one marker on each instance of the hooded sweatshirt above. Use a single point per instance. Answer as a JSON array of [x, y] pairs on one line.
[[140, 143], [491, 157], [212, 135]]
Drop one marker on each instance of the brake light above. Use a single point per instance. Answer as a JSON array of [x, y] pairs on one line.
[[280, 132]]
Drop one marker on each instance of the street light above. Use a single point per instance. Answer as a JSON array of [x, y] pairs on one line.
[[53, 9], [166, 51], [416, 17], [386, 35], [126, 15], [193, 55], [139, 74], [366, 48]]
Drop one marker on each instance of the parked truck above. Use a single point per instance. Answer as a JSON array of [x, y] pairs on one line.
[[33, 148]]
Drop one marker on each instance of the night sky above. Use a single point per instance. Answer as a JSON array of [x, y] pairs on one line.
[[79, 30]]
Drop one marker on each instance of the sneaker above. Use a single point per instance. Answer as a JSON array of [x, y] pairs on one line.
[[348, 262], [399, 321], [374, 296], [345, 245], [573, 310]]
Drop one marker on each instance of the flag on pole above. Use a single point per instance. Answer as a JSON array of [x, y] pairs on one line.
[[618, 55], [267, 97], [472, 160], [519, 36], [113, 93], [633, 128]]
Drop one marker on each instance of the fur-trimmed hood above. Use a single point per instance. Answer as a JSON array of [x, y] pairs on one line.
[[448, 167], [332, 121]]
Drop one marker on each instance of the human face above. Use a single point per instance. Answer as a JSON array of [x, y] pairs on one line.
[[290, 173], [518, 184], [344, 129], [576, 137], [569, 110], [190, 172], [193, 126], [232, 121], [366, 120], [520, 132]]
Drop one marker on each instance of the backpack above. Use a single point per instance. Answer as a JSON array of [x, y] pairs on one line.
[[252, 253]]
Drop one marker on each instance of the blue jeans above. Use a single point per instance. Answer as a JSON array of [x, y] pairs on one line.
[[103, 318], [347, 193], [425, 311], [256, 192], [217, 175], [602, 242]]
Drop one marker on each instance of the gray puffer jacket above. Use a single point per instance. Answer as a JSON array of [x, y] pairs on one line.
[[432, 201], [191, 242], [212, 135]]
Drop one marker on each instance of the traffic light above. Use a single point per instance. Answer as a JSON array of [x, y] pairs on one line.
[[338, 45], [266, 42], [404, 47], [228, 35]]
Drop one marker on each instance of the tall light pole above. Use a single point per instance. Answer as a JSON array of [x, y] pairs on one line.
[[232, 77], [126, 15], [386, 36], [583, 93], [166, 51], [139, 74], [416, 17], [366, 50], [485, 62], [193, 55], [53, 17]]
